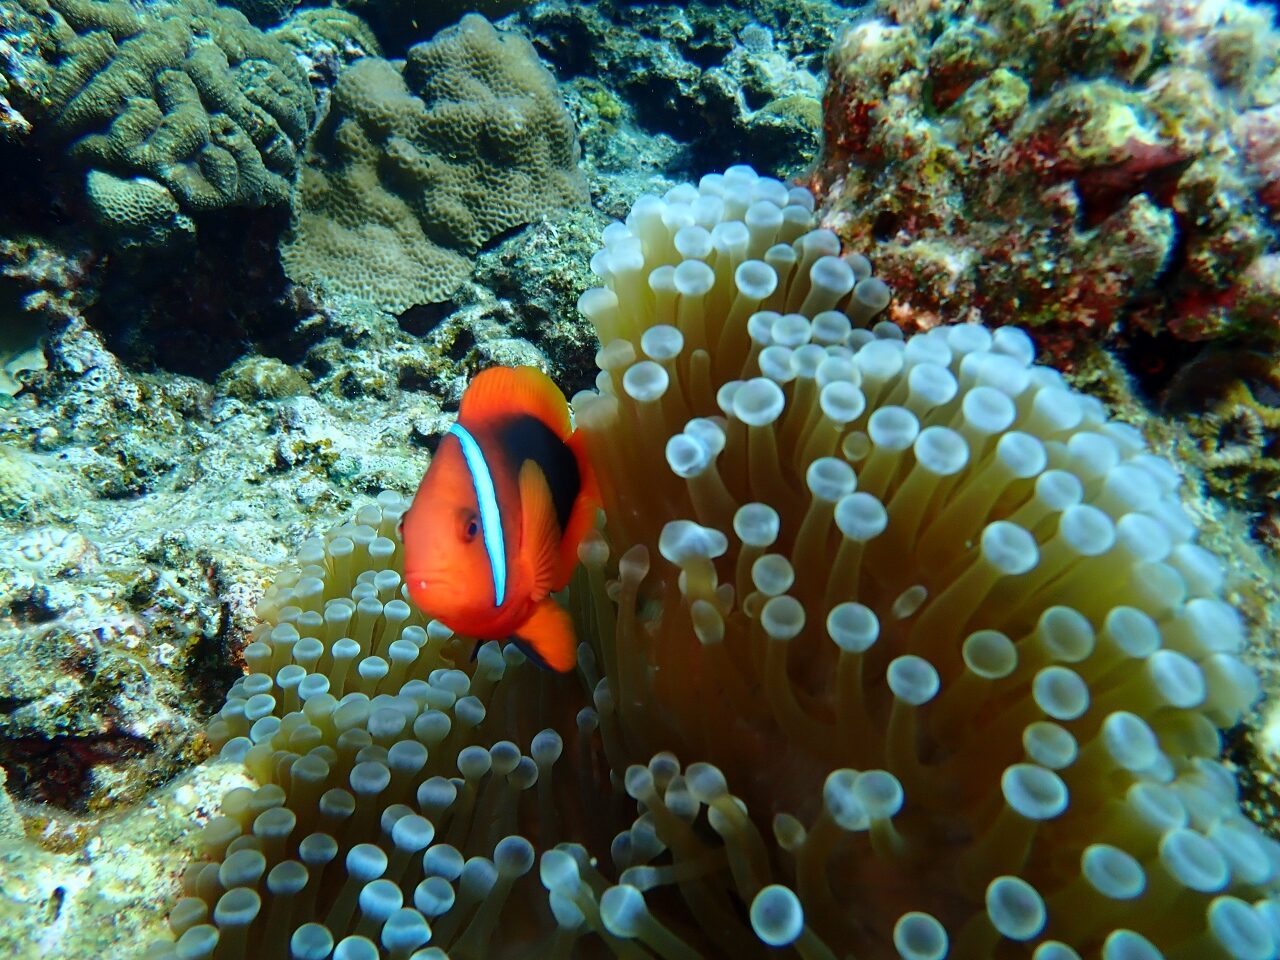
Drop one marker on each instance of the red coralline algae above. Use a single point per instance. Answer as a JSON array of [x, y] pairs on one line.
[[1084, 169], [1259, 131]]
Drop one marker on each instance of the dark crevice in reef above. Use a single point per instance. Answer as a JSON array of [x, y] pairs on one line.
[[58, 770], [660, 107], [1153, 361], [36, 197], [1105, 190], [189, 308], [10, 704], [194, 311], [420, 320], [498, 239], [462, 345], [566, 44], [34, 608], [212, 669]]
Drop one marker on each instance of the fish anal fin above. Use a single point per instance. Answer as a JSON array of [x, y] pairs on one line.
[[500, 390], [539, 532], [547, 637]]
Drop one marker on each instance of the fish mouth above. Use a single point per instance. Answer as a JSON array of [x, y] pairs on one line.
[[421, 580], [425, 596]]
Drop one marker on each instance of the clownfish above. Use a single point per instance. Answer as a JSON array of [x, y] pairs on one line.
[[495, 525]]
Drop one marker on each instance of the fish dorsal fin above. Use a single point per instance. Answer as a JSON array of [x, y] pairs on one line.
[[539, 532], [503, 391], [547, 637]]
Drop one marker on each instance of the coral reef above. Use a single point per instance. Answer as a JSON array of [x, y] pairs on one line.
[[911, 600], [41, 288], [136, 212], [90, 888], [1079, 167], [538, 275], [264, 13], [401, 23], [717, 80], [1230, 402], [167, 165], [46, 280], [261, 378], [411, 171], [95, 640], [137, 94], [20, 351], [325, 40], [22, 65]]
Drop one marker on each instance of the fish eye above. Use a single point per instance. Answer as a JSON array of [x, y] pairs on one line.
[[468, 526]]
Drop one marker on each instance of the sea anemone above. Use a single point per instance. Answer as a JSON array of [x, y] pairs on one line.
[[891, 647]]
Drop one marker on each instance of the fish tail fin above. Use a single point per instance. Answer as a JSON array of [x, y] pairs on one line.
[[547, 637], [499, 390], [582, 517]]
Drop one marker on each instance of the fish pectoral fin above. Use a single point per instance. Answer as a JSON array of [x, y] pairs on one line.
[[539, 533], [547, 637]]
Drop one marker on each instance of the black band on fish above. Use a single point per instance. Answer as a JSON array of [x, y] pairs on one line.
[[528, 438]]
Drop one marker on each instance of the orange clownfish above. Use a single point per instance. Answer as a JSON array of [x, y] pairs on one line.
[[495, 525]]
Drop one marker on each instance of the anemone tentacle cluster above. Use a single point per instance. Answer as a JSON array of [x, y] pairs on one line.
[[940, 623], [890, 647], [385, 818]]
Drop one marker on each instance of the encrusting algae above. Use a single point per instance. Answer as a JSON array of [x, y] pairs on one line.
[[1233, 442], [891, 647]]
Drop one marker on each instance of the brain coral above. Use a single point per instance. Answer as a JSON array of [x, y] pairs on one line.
[[413, 170], [934, 631], [138, 210], [182, 97]]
